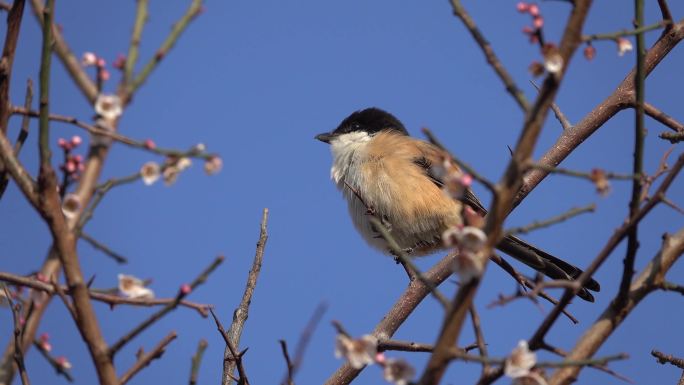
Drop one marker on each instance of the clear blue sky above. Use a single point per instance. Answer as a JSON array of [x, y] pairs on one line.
[[255, 81]]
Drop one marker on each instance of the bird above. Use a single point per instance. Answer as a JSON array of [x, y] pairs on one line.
[[382, 170]]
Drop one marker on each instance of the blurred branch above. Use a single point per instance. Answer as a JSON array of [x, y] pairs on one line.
[[581, 174], [573, 212], [665, 12], [100, 296], [303, 342], [672, 137], [114, 348], [99, 193], [17, 331], [146, 359], [68, 59], [178, 28], [21, 138], [637, 31], [134, 48], [59, 367], [103, 248], [242, 311], [197, 360]]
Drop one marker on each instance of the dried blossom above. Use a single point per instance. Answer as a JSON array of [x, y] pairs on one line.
[[132, 287], [213, 165], [521, 360], [108, 106], [598, 176], [398, 371], [553, 61], [623, 45], [150, 173], [589, 52], [468, 265], [472, 239], [358, 352]]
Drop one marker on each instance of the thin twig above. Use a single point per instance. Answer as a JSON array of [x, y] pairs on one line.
[[114, 348], [178, 28], [57, 365], [99, 193], [289, 376], [623, 33], [665, 12], [21, 138], [466, 167], [134, 47], [103, 248], [406, 261], [303, 341], [95, 130], [580, 174], [241, 313], [18, 352], [146, 359], [491, 57], [573, 212], [197, 360], [663, 118], [669, 286], [560, 116], [234, 355]]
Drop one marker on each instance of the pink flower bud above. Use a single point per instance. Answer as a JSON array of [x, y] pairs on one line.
[[61, 142], [41, 277], [522, 7], [119, 62], [70, 166], [149, 144], [538, 22], [104, 75], [533, 10], [185, 289], [466, 180], [78, 158], [527, 30], [100, 62], [589, 52], [76, 140], [44, 336]]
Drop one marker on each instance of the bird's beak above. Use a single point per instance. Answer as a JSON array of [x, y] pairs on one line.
[[325, 137]]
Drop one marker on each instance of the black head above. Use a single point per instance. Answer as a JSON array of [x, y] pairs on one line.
[[371, 120]]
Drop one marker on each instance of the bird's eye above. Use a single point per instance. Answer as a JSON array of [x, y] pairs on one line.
[[355, 126]]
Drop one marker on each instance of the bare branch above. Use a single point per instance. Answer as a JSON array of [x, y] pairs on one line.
[[242, 312], [197, 360], [303, 343], [573, 212], [668, 359], [146, 359]]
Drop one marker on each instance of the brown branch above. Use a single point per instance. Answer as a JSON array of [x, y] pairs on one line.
[[637, 31], [146, 359], [612, 317], [573, 212], [21, 138], [672, 137], [242, 311], [134, 48], [165, 310], [620, 99], [491, 57], [103, 248], [57, 365], [109, 299], [663, 118], [18, 352], [197, 360], [234, 355], [479, 336], [560, 116], [504, 198], [14, 18], [665, 11], [667, 359], [611, 244], [398, 313], [68, 59], [289, 376], [669, 286]]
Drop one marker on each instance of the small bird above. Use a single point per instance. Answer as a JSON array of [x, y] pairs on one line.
[[379, 167]]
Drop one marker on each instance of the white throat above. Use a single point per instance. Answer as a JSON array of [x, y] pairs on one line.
[[347, 150]]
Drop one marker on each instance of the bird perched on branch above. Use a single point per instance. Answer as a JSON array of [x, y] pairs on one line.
[[381, 170]]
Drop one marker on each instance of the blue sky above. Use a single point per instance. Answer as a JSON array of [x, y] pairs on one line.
[[255, 81]]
